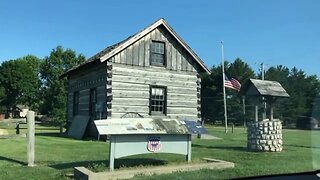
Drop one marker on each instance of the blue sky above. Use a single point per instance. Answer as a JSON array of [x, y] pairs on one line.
[[275, 32]]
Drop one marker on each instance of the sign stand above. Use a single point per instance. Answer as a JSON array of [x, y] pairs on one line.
[[132, 136], [122, 145]]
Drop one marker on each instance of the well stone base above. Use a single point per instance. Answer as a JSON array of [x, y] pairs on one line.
[[264, 136]]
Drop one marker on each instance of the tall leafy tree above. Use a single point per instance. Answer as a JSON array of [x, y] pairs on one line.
[[2, 93], [302, 89], [316, 107], [281, 74], [53, 87], [20, 81], [2, 96], [212, 95], [242, 72], [304, 93]]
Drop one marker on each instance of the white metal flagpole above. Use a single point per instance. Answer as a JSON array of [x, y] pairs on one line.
[[224, 91]]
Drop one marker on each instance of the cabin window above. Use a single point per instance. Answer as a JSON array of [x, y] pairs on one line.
[[93, 102], [157, 53], [75, 103], [157, 100]]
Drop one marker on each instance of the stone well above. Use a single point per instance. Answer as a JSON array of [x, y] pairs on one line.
[[264, 135]]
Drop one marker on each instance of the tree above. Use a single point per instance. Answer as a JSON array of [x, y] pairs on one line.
[[280, 74], [211, 98], [302, 89], [2, 96], [212, 107], [19, 79], [54, 88], [242, 72]]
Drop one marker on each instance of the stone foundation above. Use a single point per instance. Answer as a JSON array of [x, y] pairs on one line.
[[264, 136]]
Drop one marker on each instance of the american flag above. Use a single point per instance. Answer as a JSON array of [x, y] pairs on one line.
[[232, 83]]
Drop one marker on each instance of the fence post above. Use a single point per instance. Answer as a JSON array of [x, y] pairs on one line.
[[61, 128], [232, 127], [30, 138], [18, 128]]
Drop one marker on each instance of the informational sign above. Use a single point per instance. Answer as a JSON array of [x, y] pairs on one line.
[[132, 136], [140, 126], [195, 127], [154, 143]]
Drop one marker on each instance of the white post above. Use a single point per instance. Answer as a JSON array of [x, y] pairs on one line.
[[224, 91], [256, 113], [188, 158], [271, 113], [112, 147], [30, 138]]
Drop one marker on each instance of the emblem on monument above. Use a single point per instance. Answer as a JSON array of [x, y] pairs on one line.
[[154, 144]]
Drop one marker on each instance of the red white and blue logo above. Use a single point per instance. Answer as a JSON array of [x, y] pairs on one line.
[[154, 144]]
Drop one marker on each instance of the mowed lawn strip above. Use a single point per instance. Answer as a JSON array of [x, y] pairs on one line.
[[301, 153], [56, 156]]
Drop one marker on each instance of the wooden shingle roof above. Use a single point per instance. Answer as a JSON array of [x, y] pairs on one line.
[[112, 50], [257, 87], [95, 57]]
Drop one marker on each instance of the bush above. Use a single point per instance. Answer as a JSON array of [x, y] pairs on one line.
[[304, 122], [3, 109]]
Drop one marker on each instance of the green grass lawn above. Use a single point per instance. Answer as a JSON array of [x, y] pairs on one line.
[[56, 156]]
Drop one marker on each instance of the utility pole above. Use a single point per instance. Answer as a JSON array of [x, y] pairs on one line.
[[262, 71], [264, 114]]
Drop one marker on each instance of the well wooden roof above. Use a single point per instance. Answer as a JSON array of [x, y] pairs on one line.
[[112, 50], [257, 87]]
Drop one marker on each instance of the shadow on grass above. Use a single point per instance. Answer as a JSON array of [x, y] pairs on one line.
[[130, 162], [234, 148], [65, 135], [12, 160], [76, 164], [300, 146], [52, 134]]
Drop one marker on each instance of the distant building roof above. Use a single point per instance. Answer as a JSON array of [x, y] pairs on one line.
[[20, 107], [257, 87]]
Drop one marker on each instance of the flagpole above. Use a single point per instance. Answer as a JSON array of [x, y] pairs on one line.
[[224, 90]]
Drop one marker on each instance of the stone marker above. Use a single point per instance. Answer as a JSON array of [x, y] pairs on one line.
[[30, 138]]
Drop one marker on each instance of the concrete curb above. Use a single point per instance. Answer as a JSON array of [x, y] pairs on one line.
[[82, 173]]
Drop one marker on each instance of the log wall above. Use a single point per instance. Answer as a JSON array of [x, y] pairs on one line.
[[82, 82], [131, 91]]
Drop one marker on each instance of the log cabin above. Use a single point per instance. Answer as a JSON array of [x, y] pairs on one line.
[[151, 73]]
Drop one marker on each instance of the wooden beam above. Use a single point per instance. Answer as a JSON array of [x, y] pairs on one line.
[[154, 71], [153, 81]]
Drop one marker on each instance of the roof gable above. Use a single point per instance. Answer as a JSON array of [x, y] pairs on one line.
[[257, 87], [112, 50], [147, 30]]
